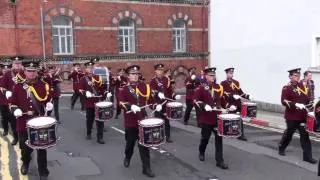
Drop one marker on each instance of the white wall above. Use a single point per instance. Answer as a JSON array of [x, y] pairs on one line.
[[262, 39]]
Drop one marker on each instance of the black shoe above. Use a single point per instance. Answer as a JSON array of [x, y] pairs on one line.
[[168, 140], [310, 160], [222, 165], [281, 152], [242, 138], [104, 129], [24, 169], [5, 133], [88, 137], [201, 157], [14, 141], [100, 141], [185, 123], [43, 177], [148, 172], [126, 162]]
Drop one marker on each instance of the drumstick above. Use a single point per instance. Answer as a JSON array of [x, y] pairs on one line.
[[221, 110], [161, 105], [140, 108], [170, 99]]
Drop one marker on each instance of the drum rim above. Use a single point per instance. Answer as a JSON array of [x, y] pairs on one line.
[[169, 104], [110, 104], [43, 126], [221, 116], [250, 103], [153, 125]]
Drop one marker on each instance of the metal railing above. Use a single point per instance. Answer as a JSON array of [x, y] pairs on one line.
[[195, 2]]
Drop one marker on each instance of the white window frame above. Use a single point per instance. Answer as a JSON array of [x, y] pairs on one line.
[[179, 41], [64, 28], [126, 39]]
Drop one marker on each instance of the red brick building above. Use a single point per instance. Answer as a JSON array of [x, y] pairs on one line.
[[119, 32]]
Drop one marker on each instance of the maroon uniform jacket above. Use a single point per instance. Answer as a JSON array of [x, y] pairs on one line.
[[137, 94], [119, 84], [211, 95], [93, 84], [21, 99], [76, 76], [8, 81], [293, 93], [54, 83], [232, 87], [191, 86], [3, 99]]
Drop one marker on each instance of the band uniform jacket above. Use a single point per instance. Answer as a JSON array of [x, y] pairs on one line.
[[94, 85], [232, 87], [75, 77], [21, 98], [211, 95], [54, 83], [293, 93], [8, 81], [134, 94], [191, 86]]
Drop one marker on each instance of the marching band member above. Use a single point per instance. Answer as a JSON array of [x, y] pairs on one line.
[[75, 75], [233, 94], [135, 94], [30, 99], [119, 82], [309, 83], [91, 87], [192, 82], [207, 97], [160, 87], [9, 80], [295, 98]]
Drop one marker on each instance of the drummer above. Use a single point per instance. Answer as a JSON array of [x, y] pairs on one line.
[[233, 94], [91, 87], [132, 96], [26, 106], [208, 96]]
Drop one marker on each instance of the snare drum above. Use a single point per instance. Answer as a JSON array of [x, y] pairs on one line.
[[151, 132], [174, 110], [311, 121], [248, 109], [103, 111], [229, 125], [41, 132]]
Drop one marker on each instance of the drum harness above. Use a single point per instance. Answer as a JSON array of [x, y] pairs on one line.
[[35, 103]]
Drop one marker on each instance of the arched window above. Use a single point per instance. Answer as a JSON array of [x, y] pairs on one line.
[[179, 36], [127, 36], [62, 35]]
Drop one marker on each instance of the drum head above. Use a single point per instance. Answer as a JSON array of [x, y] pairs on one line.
[[104, 104], [174, 104], [311, 114], [229, 116], [151, 122], [41, 121], [250, 103]]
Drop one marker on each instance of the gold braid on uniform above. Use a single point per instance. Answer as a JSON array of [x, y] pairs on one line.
[[147, 95], [234, 86], [19, 78], [34, 92], [302, 91], [220, 90], [168, 81], [99, 82]]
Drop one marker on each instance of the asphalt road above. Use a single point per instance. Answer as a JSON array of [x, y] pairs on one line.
[[74, 157]]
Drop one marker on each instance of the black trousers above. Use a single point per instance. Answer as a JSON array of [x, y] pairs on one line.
[[304, 137], [131, 136], [189, 107], [26, 155], [206, 131], [56, 108], [90, 115], [8, 117], [161, 115], [75, 97]]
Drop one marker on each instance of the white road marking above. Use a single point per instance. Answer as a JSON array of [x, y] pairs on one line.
[[119, 130]]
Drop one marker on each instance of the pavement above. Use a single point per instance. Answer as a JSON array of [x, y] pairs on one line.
[[75, 158]]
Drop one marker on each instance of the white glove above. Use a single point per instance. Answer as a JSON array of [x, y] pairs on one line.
[[235, 96], [250, 97], [193, 77], [158, 108], [177, 97], [208, 108], [232, 108], [135, 108], [8, 94], [300, 106], [161, 95], [49, 106], [88, 94], [109, 95], [17, 113]]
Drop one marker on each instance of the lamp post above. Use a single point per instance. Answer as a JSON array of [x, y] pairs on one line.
[[210, 32], [42, 29]]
